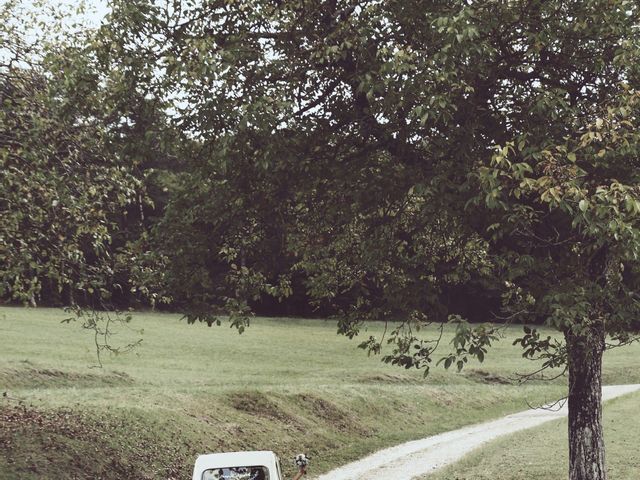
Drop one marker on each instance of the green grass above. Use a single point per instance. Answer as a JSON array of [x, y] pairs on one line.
[[287, 385], [541, 453]]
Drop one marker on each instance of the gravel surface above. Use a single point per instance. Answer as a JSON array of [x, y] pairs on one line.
[[420, 457]]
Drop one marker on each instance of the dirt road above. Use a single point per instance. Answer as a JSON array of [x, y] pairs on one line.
[[419, 457]]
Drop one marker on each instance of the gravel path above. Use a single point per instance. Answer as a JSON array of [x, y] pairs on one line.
[[420, 457]]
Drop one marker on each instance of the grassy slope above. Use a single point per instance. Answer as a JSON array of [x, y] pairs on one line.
[[527, 454], [285, 385]]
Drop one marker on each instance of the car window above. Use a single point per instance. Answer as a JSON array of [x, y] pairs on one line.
[[236, 473]]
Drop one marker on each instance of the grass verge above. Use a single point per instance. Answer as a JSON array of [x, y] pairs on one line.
[[541, 453]]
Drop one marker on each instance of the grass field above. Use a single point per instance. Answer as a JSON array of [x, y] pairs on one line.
[[286, 385], [542, 453]]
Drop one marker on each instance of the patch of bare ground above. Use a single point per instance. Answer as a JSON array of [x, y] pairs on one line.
[[482, 376], [318, 408], [66, 444], [259, 404]]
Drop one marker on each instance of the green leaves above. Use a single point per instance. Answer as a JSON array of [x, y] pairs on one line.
[[63, 191], [583, 205], [551, 352], [469, 342]]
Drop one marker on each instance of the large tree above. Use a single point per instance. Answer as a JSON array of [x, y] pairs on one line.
[[86, 162], [394, 149]]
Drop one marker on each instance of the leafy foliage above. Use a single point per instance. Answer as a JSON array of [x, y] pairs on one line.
[[388, 152], [60, 189]]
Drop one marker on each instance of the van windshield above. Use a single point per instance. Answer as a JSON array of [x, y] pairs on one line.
[[236, 473]]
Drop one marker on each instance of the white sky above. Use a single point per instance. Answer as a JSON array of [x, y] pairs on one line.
[[25, 12], [95, 10]]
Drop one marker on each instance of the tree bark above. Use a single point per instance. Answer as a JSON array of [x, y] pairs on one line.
[[586, 441]]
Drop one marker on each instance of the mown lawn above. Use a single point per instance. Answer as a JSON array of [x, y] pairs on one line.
[[286, 385]]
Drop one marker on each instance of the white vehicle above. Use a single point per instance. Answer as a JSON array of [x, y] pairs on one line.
[[238, 466]]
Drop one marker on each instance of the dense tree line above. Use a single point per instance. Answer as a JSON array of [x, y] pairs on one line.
[[94, 117]]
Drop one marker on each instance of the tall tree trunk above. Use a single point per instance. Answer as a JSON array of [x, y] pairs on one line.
[[586, 442]]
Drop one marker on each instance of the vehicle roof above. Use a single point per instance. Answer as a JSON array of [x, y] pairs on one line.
[[235, 459]]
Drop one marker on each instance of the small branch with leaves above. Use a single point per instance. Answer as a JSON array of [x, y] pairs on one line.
[[103, 325]]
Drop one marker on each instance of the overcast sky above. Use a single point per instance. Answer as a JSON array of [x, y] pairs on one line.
[[96, 10]]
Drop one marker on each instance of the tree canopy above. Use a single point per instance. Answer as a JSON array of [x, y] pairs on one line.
[[390, 150], [60, 186]]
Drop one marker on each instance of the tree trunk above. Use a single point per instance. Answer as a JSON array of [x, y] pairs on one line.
[[586, 442]]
